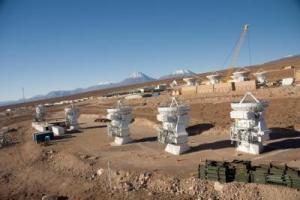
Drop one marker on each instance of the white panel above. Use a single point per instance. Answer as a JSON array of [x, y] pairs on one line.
[[58, 131], [242, 115]]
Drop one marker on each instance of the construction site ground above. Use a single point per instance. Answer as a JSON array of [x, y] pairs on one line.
[[85, 165]]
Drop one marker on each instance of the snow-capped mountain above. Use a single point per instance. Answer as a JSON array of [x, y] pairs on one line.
[[180, 73], [105, 83], [136, 77]]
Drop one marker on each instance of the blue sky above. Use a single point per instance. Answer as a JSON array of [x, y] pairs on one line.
[[50, 45]]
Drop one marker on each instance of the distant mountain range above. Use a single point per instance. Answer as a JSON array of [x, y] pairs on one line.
[[286, 58], [135, 78], [181, 73]]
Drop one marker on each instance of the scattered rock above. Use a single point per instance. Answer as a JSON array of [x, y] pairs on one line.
[[93, 158], [51, 151], [5, 178], [93, 176], [127, 186], [54, 197], [12, 130], [218, 187], [50, 197], [100, 171], [84, 156]]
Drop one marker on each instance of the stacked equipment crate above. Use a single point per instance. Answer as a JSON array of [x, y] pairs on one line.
[[292, 178], [259, 173], [242, 171], [276, 175], [216, 171]]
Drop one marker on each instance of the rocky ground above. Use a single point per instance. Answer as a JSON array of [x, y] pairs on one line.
[[85, 166]]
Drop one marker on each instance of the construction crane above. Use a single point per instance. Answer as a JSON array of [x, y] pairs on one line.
[[236, 52]]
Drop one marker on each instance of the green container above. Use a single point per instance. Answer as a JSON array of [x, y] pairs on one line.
[[254, 178], [292, 172], [242, 171]]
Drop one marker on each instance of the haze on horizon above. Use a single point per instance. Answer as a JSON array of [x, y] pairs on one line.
[[61, 45]]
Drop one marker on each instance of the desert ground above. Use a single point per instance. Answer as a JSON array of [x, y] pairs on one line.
[[85, 165]]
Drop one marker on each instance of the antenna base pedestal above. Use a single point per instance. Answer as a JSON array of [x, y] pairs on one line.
[[251, 148], [177, 149], [74, 128], [121, 140]]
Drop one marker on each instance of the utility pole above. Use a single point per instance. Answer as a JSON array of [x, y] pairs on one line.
[[23, 95]]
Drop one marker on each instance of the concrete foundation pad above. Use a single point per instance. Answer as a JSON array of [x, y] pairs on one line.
[[74, 128], [177, 149], [266, 136], [40, 126], [58, 131], [250, 148], [121, 141]]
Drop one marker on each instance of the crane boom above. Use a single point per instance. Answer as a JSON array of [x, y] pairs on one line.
[[238, 46], [236, 53]]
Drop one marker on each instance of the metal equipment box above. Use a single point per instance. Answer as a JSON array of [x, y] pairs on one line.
[[41, 136]]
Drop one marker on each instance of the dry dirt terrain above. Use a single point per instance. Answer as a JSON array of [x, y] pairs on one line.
[[85, 166]]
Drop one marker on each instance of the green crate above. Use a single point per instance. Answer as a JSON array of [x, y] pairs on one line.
[[242, 171], [213, 179], [292, 172], [257, 178], [201, 171]]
